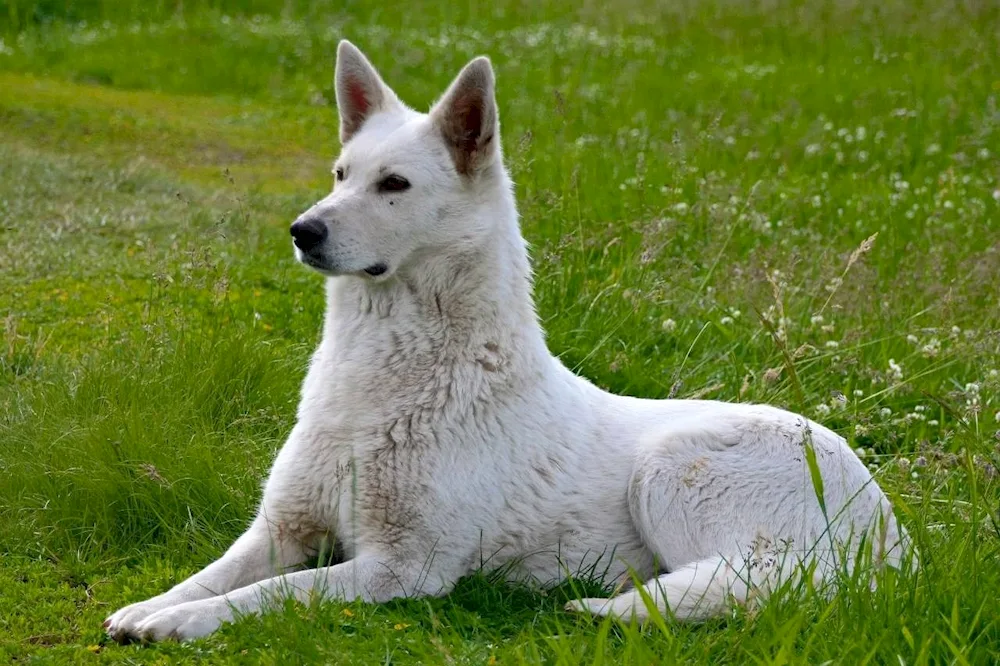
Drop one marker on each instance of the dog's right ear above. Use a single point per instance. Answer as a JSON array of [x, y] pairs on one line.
[[360, 90]]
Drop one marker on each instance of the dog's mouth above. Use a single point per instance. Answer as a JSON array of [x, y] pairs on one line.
[[376, 270], [314, 262]]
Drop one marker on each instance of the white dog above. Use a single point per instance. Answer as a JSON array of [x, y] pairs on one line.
[[437, 434]]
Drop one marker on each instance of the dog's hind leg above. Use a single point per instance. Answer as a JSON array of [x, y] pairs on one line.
[[728, 502], [701, 590]]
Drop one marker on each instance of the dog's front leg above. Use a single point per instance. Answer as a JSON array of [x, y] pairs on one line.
[[261, 552], [369, 578]]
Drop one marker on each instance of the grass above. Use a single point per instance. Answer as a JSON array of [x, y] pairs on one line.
[[697, 180]]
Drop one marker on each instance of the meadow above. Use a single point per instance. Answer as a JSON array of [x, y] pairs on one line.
[[785, 201]]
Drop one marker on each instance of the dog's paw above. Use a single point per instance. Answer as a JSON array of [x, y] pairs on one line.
[[121, 626], [590, 606], [186, 621]]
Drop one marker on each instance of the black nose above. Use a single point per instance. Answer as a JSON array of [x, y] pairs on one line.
[[308, 233]]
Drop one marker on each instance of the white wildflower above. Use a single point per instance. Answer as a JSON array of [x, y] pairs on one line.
[[895, 370], [669, 325], [858, 393], [816, 319], [822, 409], [726, 320]]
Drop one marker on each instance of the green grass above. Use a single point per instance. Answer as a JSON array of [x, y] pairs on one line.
[[695, 180]]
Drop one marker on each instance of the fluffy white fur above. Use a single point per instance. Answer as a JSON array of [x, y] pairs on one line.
[[437, 434]]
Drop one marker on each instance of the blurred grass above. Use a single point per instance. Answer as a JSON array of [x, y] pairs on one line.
[[693, 177]]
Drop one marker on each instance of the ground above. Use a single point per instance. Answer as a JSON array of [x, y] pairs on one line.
[[793, 202]]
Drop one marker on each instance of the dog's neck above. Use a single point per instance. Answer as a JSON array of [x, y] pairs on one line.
[[472, 296]]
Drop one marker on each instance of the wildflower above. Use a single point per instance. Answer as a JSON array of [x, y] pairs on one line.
[[895, 370], [822, 409], [860, 452], [885, 412], [858, 393], [816, 319], [832, 344], [668, 325], [726, 320], [912, 339]]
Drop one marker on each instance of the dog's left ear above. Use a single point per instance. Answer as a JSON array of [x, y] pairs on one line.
[[467, 117]]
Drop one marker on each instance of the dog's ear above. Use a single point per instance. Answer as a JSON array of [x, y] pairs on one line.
[[467, 117], [360, 91]]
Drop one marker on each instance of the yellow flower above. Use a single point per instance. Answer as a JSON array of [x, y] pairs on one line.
[[399, 626], [347, 612]]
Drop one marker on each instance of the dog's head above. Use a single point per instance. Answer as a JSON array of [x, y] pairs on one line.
[[406, 183]]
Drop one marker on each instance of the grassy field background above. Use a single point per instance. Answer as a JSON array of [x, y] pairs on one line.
[[793, 202]]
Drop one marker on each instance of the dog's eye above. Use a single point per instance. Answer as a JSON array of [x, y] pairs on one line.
[[393, 184], [340, 173]]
